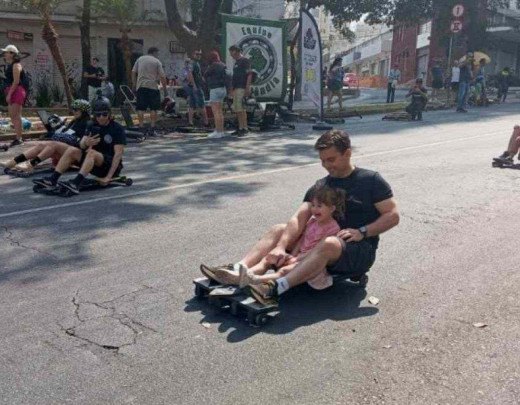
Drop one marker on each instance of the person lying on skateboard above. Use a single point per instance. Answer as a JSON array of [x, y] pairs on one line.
[[370, 210], [512, 148], [68, 135], [100, 151]]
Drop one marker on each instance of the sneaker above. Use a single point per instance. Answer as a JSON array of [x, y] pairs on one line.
[[265, 293], [45, 182], [151, 132], [243, 132], [69, 185], [215, 135], [9, 164], [16, 142], [209, 272], [505, 158], [236, 133]]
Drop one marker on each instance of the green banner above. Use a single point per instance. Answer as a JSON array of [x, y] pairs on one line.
[[263, 42]]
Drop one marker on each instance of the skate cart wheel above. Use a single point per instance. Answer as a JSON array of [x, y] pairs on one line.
[[199, 292], [129, 182], [363, 281], [261, 319]]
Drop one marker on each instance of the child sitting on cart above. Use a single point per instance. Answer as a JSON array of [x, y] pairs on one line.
[[327, 205]]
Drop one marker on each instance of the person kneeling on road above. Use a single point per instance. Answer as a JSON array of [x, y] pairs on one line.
[[370, 211], [100, 151], [512, 149]]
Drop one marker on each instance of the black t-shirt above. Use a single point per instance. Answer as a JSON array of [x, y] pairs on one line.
[[364, 188], [241, 69], [110, 135], [197, 74], [99, 72]]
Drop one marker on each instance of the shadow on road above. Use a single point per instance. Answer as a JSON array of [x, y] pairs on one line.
[[299, 307]]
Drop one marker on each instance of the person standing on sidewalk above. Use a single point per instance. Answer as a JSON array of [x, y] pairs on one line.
[[335, 83], [95, 76], [504, 78], [16, 88], [455, 78], [195, 89], [466, 76], [241, 84], [146, 74], [393, 80], [217, 81]]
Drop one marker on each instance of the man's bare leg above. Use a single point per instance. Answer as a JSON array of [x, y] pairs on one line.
[[140, 117], [514, 143], [70, 156], [266, 243]]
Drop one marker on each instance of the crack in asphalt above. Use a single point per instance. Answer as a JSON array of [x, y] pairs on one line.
[[10, 238], [134, 325]]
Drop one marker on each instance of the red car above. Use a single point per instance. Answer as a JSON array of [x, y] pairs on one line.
[[350, 80]]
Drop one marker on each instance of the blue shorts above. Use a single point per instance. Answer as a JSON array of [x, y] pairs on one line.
[[217, 95], [195, 97]]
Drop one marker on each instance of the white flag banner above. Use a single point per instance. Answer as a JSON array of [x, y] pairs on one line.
[[310, 50], [263, 42]]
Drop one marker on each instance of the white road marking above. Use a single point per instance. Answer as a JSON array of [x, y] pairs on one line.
[[228, 178]]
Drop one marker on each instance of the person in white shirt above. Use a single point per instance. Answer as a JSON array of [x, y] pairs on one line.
[[455, 79]]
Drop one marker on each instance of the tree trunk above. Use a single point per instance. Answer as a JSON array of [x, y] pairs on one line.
[[50, 37], [293, 67], [205, 37], [84, 28], [127, 54]]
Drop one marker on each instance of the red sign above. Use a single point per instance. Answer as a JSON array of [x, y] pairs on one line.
[[456, 26]]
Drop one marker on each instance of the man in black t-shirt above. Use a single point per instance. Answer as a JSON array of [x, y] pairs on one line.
[[100, 152], [95, 76], [370, 210], [241, 84]]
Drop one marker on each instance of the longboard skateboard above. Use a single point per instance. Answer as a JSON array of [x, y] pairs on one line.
[[503, 165], [239, 303], [4, 147], [88, 184]]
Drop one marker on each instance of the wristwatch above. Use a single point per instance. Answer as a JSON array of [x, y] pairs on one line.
[[363, 231]]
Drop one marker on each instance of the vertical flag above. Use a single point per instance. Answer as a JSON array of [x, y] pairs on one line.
[[311, 62]]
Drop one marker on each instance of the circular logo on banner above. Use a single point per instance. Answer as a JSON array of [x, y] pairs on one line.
[[262, 55], [108, 138]]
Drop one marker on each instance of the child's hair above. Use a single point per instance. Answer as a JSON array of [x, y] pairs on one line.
[[331, 197]]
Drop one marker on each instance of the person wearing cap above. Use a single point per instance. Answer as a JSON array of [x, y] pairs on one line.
[[146, 75], [241, 84], [393, 80], [335, 83], [16, 89], [100, 151]]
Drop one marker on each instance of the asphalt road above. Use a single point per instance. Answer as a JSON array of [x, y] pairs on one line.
[[96, 291]]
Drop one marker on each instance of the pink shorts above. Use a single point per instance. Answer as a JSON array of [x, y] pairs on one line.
[[19, 95]]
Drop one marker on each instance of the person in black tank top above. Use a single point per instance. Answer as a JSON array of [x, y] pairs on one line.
[[15, 92]]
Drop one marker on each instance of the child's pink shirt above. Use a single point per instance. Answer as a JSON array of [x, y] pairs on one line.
[[313, 234]]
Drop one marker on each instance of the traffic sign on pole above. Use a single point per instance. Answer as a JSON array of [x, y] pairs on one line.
[[456, 26], [457, 11]]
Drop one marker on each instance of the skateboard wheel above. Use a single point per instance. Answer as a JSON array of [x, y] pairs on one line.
[[199, 292], [363, 281], [129, 182], [36, 188], [261, 319]]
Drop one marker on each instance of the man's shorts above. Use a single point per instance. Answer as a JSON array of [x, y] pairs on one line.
[[148, 99], [102, 171], [195, 97], [238, 100], [356, 259]]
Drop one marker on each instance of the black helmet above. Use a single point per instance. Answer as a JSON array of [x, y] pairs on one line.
[[100, 103]]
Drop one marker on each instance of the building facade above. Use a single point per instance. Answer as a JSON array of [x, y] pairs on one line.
[[22, 28]]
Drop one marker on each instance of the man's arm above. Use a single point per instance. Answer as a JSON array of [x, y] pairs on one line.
[[388, 219], [292, 232], [118, 155]]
